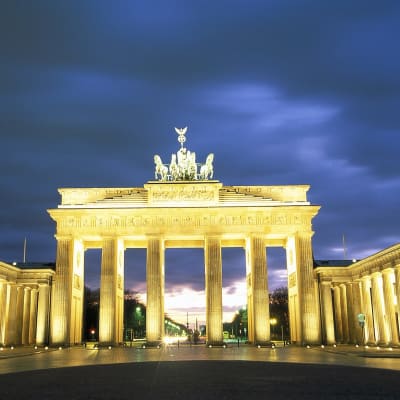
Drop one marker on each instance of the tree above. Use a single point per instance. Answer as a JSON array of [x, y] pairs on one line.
[[134, 316], [279, 313], [90, 314], [239, 326]]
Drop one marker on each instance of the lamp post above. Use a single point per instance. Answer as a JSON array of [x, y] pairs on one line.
[[273, 322]]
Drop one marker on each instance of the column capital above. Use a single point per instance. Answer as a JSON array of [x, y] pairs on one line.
[[63, 237], [376, 274], [365, 278], [43, 282], [387, 271]]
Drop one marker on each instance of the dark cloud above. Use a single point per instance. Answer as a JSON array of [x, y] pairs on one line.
[[282, 93]]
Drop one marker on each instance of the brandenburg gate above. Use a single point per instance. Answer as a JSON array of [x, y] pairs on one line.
[[183, 207]]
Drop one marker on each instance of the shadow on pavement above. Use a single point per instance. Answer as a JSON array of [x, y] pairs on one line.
[[202, 380]]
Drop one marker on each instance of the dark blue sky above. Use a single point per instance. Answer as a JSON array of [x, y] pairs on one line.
[[283, 92]]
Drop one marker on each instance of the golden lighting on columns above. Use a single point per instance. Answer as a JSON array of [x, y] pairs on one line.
[[309, 304], [67, 295], [61, 293], [345, 316], [397, 287], [33, 315], [3, 305], [11, 314], [43, 308], [155, 290], [77, 292], [250, 310], [357, 310], [338, 314], [19, 316], [381, 328], [259, 285], [327, 312], [111, 292], [369, 333], [213, 283], [293, 293], [26, 315], [388, 290]]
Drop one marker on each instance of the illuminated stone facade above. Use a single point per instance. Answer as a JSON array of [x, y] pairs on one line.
[[326, 302], [184, 208], [24, 304], [200, 214], [360, 303]]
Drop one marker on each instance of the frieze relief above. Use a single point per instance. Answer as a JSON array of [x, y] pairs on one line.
[[292, 280], [88, 223], [120, 282], [77, 282]]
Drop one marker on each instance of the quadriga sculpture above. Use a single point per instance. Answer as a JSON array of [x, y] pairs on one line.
[[161, 170], [207, 170]]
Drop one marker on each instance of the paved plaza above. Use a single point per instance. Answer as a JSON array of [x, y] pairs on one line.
[[198, 372]]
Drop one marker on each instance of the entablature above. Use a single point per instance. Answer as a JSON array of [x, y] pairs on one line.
[[387, 258], [286, 220]]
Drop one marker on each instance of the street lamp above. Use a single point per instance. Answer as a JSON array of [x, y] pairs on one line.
[[273, 322]]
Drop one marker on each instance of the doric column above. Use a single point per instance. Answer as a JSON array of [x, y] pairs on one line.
[[250, 311], [381, 328], [155, 290], [213, 284], [20, 312], [26, 315], [75, 333], [307, 291], [338, 314], [111, 292], [397, 286], [345, 317], [43, 308], [293, 291], [62, 295], [358, 330], [33, 316], [350, 313], [256, 255], [3, 309], [388, 290], [11, 314], [366, 309], [327, 312]]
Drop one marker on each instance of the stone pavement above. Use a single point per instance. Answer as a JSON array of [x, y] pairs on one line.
[[197, 372]]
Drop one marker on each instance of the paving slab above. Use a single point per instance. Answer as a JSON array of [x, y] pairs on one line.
[[198, 372]]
